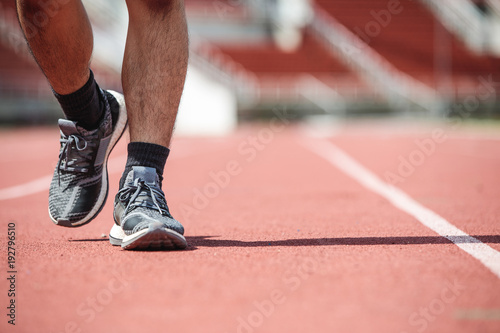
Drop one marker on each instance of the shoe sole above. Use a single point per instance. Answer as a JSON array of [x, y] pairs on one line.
[[120, 127], [154, 237]]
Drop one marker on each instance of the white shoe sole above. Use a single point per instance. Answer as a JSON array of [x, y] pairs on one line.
[[154, 237]]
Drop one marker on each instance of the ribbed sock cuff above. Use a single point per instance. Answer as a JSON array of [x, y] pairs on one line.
[[145, 154], [84, 105]]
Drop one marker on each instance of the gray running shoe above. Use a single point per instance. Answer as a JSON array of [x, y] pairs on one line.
[[79, 186], [142, 218]]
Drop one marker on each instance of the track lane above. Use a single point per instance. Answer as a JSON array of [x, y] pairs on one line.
[[343, 258], [458, 180]]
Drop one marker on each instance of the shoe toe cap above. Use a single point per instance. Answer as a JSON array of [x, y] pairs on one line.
[[131, 220]]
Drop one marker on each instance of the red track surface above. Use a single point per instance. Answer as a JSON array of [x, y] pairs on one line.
[[290, 244]]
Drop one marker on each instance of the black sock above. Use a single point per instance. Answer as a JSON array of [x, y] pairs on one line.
[[146, 155], [84, 105]]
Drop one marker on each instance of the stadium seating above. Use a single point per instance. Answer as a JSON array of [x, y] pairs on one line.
[[408, 40], [412, 39]]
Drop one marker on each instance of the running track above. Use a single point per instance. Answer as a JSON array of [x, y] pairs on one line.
[[300, 233]]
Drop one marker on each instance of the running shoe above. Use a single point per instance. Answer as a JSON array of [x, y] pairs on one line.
[[79, 186], [142, 218]]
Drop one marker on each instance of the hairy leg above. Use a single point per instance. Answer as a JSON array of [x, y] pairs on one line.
[[60, 38], [154, 68]]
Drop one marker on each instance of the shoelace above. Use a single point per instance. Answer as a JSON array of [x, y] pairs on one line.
[[131, 192], [74, 154]]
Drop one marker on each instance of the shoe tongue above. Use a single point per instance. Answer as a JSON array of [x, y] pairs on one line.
[[68, 127], [145, 173]]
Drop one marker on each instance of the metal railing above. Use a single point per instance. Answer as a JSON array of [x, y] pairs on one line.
[[211, 61], [463, 19], [494, 5], [395, 85]]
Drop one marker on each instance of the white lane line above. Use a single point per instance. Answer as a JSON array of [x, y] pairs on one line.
[[42, 184], [32, 187], [488, 256]]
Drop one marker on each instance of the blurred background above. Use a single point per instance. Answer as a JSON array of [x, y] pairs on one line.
[[329, 58]]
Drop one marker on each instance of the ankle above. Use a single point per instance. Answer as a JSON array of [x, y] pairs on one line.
[[146, 155], [84, 106]]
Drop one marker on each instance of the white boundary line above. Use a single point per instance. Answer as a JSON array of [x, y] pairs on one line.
[[42, 184], [488, 256], [32, 187]]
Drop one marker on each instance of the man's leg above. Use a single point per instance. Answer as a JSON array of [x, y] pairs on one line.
[[60, 38], [154, 70]]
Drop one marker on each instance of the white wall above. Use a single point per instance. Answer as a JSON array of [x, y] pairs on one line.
[[207, 107]]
